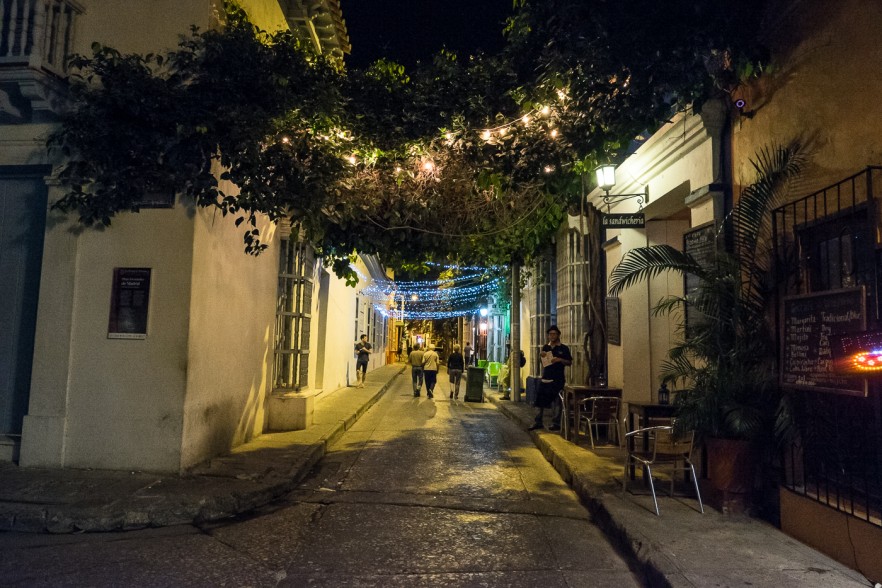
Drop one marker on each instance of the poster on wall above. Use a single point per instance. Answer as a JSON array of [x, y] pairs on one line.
[[129, 303]]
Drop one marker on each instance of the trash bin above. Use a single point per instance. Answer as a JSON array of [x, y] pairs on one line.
[[475, 385]]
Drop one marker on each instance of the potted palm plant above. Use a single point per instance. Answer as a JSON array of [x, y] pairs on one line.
[[725, 362]]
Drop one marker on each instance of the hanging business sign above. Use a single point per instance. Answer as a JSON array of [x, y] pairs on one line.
[[129, 302], [634, 220]]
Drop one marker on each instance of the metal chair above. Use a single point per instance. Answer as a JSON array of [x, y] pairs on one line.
[[664, 450], [566, 414], [600, 410]]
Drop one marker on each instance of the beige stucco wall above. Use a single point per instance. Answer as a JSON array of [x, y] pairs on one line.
[[230, 348], [682, 157], [156, 25], [825, 90], [138, 27], [125, 397]]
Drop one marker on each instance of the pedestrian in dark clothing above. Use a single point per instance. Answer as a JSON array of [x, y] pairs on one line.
[[555, 357], [467, 354], [455, 367], [363, 349]]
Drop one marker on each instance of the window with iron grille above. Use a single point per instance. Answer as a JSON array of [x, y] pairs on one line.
[[570, 294], [541, 296], [293, 315], [826, 241]]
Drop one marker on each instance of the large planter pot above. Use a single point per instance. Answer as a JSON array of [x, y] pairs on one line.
[[730, 468]]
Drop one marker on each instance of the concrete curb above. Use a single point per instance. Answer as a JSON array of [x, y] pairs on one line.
[[650, 561]]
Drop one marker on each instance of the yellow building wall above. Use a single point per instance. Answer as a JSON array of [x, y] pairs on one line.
[[846, 539], [824, 90]]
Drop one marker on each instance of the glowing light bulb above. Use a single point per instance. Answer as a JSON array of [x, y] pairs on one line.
[[449, 137], [428, 166], [397, 169], [486, 135], [286, 140], [553, 133], [545, 110], [525, 119], [502, 131], [352, 160], [548, 169]]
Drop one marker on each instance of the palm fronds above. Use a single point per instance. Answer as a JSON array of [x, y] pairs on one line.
[[725, 360]]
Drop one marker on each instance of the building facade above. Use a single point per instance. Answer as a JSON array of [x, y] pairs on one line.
[[156, 343], [821, 93]]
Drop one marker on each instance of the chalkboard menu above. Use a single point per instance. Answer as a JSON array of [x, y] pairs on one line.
[[613, 322], [808, 323], [700, 243]]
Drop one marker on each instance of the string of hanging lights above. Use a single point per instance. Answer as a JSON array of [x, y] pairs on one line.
[[432, 299]]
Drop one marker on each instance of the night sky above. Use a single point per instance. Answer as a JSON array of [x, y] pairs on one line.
[[413, 31]]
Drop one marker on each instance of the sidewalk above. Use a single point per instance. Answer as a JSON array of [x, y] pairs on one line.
[[682, 547], [70, 500]]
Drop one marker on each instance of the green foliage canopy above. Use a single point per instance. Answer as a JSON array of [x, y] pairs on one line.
[[473, 159]]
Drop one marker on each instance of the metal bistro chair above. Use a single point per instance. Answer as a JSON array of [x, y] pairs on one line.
[[664, 449], [566, 413], [601, 410]]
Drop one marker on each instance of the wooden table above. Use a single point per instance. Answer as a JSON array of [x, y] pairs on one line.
[[574, 395], [645, 413]]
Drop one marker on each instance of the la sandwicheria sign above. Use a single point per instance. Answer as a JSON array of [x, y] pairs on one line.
[[634, 220]]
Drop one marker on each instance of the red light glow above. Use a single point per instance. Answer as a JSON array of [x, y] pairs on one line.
[[867, 361]]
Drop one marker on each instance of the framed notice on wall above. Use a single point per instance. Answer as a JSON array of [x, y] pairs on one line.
[[129, 303]]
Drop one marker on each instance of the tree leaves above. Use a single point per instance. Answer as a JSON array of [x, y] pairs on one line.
[[383, 160]]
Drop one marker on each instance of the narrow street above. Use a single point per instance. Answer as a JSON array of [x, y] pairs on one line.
[[419, 492]]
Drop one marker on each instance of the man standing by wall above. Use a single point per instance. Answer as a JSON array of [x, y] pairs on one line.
[[555, 357], [363, 349]]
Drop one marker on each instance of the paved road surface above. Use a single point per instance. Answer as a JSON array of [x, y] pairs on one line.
[[417, 493]]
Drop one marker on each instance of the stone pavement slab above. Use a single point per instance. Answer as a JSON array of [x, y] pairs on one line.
[[680, 548], [251, 475]]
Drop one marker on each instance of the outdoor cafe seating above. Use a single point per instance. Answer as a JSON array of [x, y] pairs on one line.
[[601, 411], [665, 449]]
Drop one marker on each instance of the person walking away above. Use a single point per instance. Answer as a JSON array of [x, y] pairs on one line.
[[555, 357], [415, 359], [455, 367], [363, 352], [467, 354], [430, 370]]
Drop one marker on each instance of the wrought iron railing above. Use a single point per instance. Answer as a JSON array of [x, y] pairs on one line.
[[37, 33], [828, 240]]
